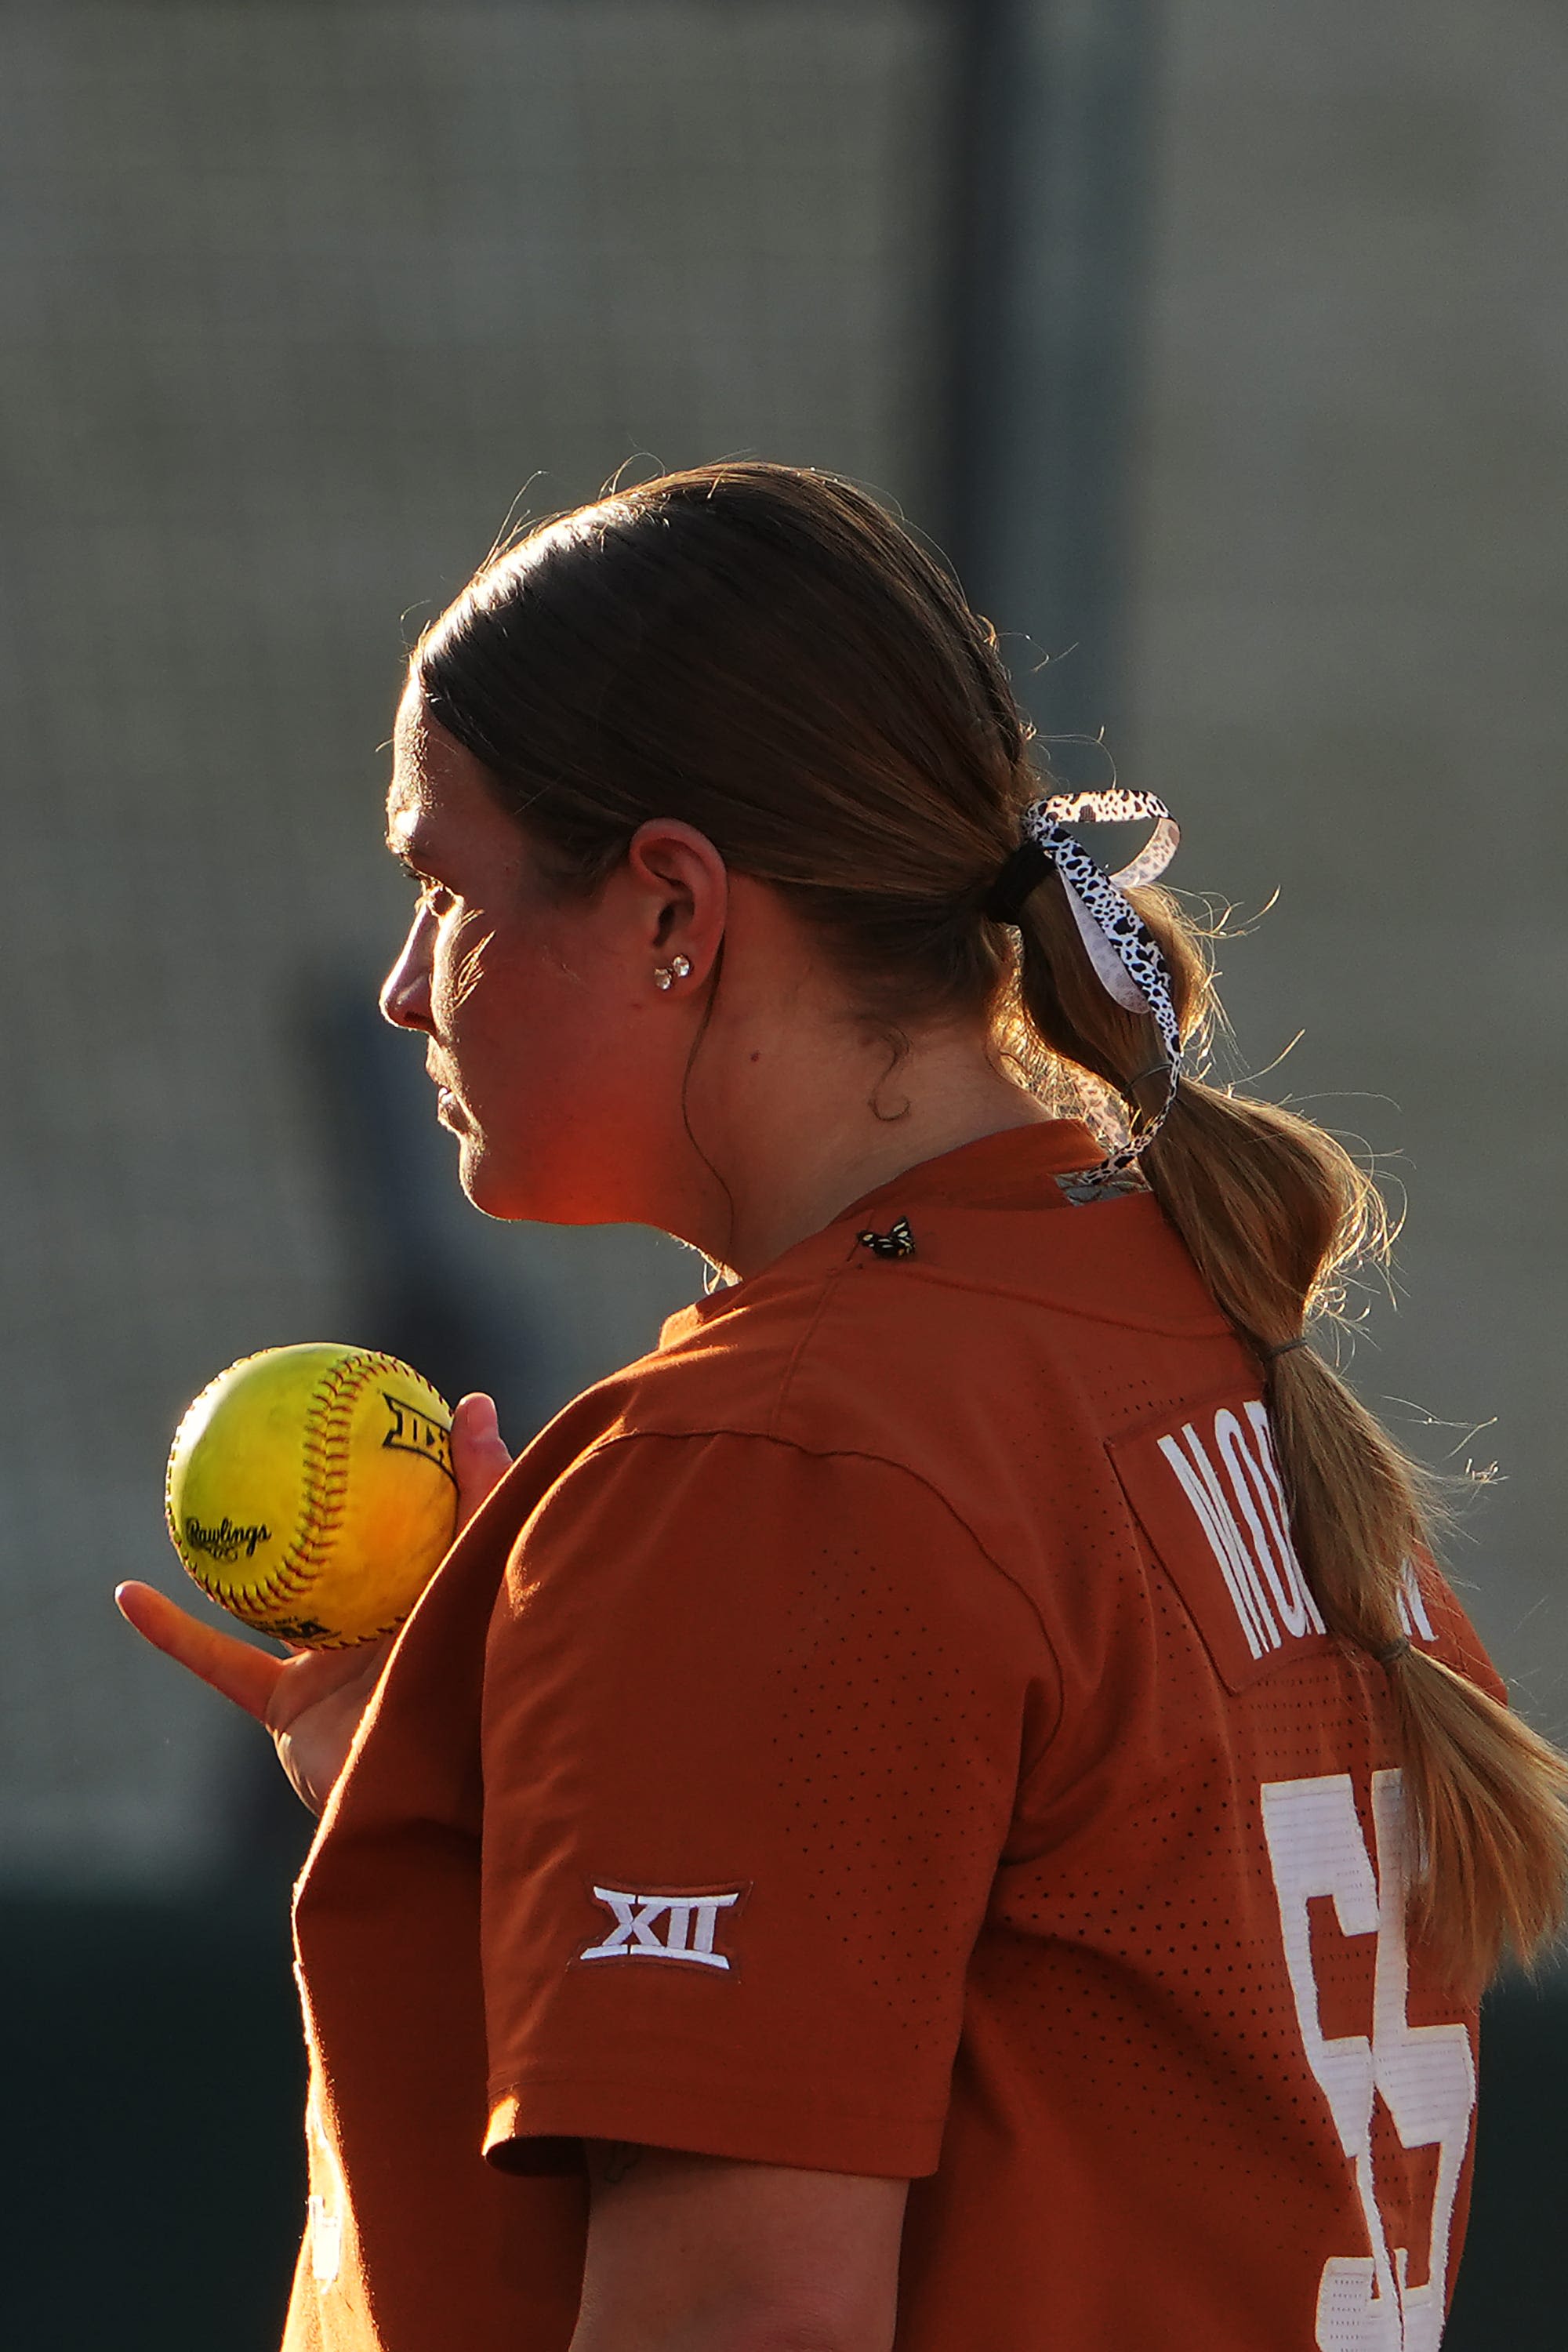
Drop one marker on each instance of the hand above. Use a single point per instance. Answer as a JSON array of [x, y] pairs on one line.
[[312, 1701]]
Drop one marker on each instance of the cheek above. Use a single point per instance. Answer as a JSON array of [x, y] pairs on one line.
[[460, 971], [522, 1023], [566, 1104]]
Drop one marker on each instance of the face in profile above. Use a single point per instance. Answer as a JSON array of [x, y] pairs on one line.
[[529, 1002]]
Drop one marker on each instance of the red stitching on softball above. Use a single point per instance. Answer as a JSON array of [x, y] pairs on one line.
[[328, 1417]]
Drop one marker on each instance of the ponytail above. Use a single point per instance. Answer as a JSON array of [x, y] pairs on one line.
[[763, 653], [1274, 1212]]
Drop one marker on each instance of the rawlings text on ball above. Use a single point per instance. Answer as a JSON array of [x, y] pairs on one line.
[[311, 1491]]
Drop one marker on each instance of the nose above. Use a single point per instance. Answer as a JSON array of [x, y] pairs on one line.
[[406, 992]]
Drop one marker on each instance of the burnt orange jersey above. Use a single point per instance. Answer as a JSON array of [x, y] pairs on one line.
[[887, 1730]]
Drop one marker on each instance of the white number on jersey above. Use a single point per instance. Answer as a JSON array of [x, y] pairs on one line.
[[1425, 2074]]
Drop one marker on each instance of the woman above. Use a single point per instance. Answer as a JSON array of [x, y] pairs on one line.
[[949, 1804]]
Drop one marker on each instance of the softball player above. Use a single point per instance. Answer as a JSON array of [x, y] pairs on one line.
[[949, 1804]]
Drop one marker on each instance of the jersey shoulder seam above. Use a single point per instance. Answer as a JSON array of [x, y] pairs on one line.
[[944, 1502]]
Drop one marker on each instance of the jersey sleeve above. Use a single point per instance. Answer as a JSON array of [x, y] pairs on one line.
[[754, 1721]]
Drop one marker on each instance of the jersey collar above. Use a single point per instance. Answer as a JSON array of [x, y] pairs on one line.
[[1013, 1169]]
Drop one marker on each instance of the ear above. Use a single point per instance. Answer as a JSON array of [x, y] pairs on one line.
[[683, 887]]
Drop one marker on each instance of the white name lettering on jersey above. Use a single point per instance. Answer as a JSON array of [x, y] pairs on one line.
[[1229, 1475], [1412, 1615], [677, 1926]]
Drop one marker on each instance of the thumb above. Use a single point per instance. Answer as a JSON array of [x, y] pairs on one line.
[[480, 1457]]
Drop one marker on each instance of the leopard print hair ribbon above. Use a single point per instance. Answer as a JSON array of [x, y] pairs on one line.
[[1123, 950]]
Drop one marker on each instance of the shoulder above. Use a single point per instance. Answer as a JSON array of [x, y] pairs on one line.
[[695, 1503], [660, 1549], [1004, 1342], [980, 1376], [974, 1270]]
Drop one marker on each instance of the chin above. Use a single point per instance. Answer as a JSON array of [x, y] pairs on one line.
[[539, 1196], [488, 1189]]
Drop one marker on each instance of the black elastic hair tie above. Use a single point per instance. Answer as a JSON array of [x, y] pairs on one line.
[[1022, 872], [1283, 1349], [1394, 1652]]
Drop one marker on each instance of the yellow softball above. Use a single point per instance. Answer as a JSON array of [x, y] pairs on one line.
[[311, 1491]]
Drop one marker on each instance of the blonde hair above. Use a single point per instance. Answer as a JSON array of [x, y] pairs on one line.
[[763, 652], [1276, 1213]]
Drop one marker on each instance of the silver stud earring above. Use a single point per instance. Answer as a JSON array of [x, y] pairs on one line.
[[667, 974]]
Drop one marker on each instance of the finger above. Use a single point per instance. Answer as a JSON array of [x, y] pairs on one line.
[[310, 1676], [480, 1457], [233, 1668]]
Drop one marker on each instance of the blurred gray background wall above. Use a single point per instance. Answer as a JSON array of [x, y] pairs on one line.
[[297, 300], [1223, 341], [1350, 611]]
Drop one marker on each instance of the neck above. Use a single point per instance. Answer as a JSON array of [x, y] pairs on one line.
[[802, 1139]]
